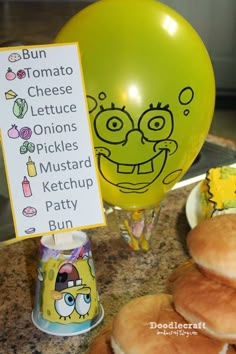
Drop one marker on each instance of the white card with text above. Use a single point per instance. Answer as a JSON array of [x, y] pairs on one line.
[[47, 142]]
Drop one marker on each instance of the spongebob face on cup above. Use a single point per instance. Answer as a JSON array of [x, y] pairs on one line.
[[69, 292]]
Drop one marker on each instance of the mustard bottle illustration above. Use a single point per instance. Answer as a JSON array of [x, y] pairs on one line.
[[31, 168]]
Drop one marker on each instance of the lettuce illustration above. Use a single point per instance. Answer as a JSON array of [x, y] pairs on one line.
[[20, 107]]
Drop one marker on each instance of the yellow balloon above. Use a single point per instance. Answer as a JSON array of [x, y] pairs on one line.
[[151, 94]]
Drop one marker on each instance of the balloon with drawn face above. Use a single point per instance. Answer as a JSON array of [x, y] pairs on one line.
[[151, 92], [118, 135]]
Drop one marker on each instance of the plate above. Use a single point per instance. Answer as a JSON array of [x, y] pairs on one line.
[[193, 207]]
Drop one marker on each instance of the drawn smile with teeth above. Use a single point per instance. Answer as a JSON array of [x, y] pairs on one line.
[[146, 166], [140, 168]]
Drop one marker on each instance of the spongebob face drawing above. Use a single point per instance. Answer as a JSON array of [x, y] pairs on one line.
[[119, 135], [69, 291]]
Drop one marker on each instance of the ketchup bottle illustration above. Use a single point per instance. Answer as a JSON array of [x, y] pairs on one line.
[[26, 187]]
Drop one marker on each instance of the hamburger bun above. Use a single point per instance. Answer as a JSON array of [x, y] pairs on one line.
[[200, 299], [101, 343], [150, 325], [178, 271], [212, 245]]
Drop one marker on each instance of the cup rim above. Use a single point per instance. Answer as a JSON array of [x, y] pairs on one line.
[[79, 238]]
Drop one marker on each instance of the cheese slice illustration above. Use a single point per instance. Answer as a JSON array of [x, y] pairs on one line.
[[10, 95]]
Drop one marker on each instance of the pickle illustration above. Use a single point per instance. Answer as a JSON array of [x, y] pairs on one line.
[[20, 108], [27, 146]]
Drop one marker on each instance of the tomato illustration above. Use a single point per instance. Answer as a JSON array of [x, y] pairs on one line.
[[10, 75], [21, 74]]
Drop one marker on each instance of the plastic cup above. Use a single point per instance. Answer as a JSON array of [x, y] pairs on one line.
[[137, 227], [66, 300]]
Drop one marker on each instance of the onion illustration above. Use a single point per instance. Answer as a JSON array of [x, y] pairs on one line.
[[13, 132], [25, 133]]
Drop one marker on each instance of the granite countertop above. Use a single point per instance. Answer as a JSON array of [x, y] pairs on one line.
[[121, 275]]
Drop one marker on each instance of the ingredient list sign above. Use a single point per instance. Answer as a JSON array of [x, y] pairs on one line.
[[46, 140]]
